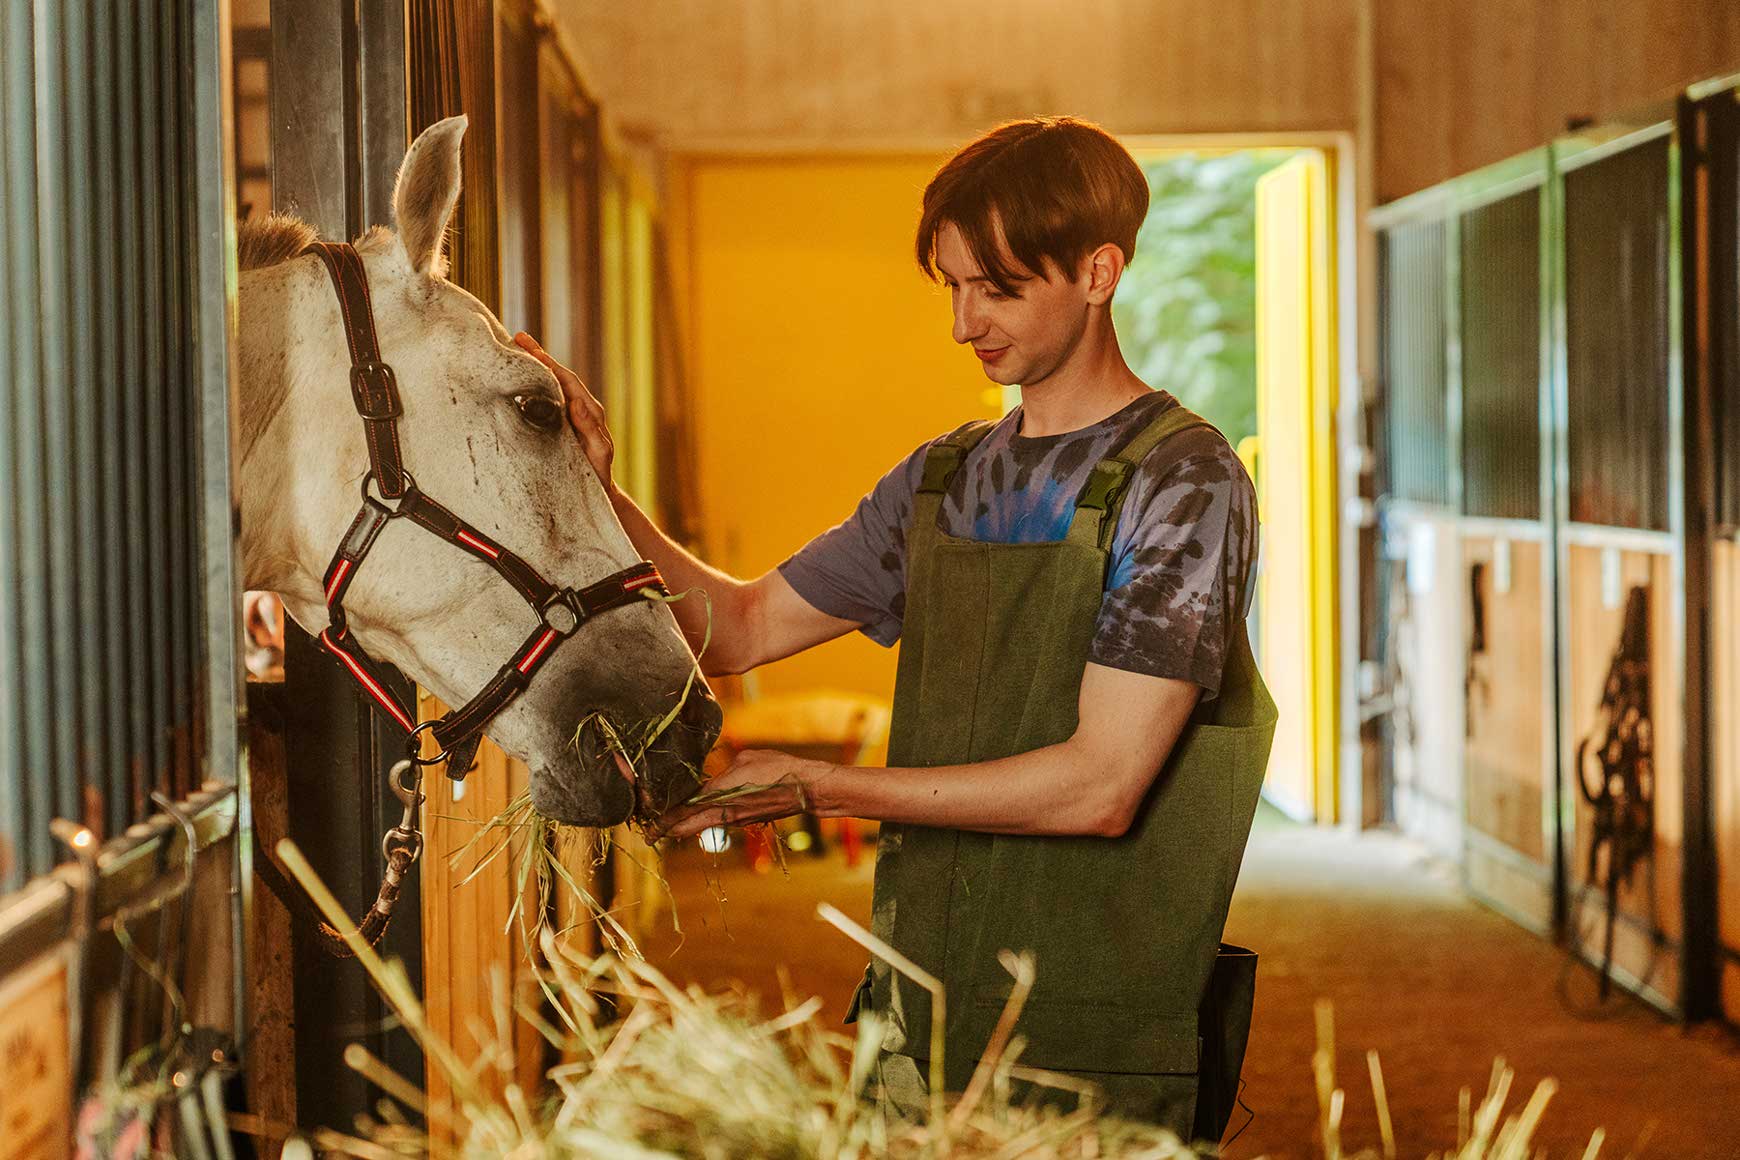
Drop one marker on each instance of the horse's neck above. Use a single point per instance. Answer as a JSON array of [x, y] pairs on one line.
[[265, 302], [263, 331]]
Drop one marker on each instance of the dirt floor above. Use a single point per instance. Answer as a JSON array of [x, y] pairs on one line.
[[1436, 984]]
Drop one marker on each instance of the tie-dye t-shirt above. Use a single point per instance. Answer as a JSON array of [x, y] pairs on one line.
[[1182, 558]]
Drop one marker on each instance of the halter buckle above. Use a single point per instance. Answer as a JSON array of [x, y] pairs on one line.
[[375, 389]]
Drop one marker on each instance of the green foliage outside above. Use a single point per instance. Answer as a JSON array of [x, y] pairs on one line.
[[1186, 311]]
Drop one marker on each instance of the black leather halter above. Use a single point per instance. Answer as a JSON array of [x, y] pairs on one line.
[[560, 611], [388, 493]]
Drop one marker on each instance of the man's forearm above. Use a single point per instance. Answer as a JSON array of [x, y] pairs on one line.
[[730, 627], [1054, 790]]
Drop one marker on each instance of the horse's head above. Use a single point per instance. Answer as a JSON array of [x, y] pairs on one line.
[[484, 433]]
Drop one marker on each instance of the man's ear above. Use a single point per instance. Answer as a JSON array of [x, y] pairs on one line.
[[1104, 268]]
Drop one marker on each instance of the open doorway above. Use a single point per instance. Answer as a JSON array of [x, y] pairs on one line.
[[1229, 305]]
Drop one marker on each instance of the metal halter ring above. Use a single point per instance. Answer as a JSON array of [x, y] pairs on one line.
[[414, 746], [392, 508]]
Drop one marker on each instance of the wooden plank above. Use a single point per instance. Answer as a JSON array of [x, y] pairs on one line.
[[35, 1066], [1428, 772], [1725, 751], [271, 957], [1506, 784]]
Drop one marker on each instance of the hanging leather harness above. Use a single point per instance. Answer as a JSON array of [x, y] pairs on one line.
[[390, 492], [1616, 771]]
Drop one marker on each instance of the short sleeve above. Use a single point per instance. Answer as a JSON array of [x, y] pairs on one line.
[[1181, 573], [856, 570]]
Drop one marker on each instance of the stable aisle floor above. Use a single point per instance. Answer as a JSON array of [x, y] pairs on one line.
[[1437, 984]]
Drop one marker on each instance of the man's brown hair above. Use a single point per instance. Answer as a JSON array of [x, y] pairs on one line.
[[1054, 189]]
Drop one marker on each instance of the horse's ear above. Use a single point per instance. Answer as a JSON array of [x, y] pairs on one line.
[[427, 191]]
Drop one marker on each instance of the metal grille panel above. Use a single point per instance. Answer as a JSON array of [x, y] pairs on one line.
[[1412, 338], [1501, 358], [102, 597], [1616, 335]]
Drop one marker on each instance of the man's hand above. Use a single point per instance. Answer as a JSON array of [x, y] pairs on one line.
[[585, 412], [790, 780]]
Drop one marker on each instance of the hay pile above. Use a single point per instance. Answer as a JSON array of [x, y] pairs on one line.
[[654, 1071]]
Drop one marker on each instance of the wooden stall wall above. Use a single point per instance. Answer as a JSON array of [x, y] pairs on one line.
[[1502, 380], [1725, 722], [1599, 582], [1621, 530], [1452, 85], [1507, 755], [1429, 657]]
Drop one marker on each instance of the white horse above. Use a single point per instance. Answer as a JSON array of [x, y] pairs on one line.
[[484, 433]]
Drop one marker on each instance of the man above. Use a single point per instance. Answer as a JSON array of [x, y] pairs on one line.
[[1069, 585]]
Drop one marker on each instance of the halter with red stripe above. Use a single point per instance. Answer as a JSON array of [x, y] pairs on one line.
[[560, 611]]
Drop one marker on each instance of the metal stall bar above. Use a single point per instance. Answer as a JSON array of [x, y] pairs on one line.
[[13, 818], [87, 451], [1698, 173], [153, 285], [134, 573], [35, 848], [56, 500], [184, 587], [103, 344]]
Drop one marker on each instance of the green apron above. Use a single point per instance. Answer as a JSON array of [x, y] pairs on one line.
[[1124, 930]]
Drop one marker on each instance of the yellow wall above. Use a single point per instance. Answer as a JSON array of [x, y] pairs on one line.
[[818, 358]]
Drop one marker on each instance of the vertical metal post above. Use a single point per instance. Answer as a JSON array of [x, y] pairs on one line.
[[1558, 411], [1690, 473], [332, 162], [37, 754], [1548, 250], [148, 46], [83, 387], [15, 172], [213, 179], [55, 449]]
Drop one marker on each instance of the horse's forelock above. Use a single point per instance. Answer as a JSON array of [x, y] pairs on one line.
[[272, 239]]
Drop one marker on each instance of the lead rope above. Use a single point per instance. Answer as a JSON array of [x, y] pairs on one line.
[[401, 847]]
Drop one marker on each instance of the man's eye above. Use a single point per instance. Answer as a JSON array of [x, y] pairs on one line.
[[540, 411]]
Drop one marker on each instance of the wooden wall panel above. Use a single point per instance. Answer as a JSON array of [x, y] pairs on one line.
[[1458, 83], [1507, 716], [1652, 902], [918, 74], [1428, 771], [1725, 755]]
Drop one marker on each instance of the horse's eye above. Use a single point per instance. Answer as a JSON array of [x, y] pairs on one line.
[[540, 411]]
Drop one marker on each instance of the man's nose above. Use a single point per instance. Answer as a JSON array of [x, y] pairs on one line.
[[969, 320]]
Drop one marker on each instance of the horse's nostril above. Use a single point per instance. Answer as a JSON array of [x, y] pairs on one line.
[[704, 718]]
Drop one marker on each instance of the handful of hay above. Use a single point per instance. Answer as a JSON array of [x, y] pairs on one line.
[[651, 1070]]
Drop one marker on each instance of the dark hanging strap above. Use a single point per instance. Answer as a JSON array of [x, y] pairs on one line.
[[1096, 510], [372, 386]]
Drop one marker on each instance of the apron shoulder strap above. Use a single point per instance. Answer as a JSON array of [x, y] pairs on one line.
[[1096, 510], [948, 453], [940, 464]]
